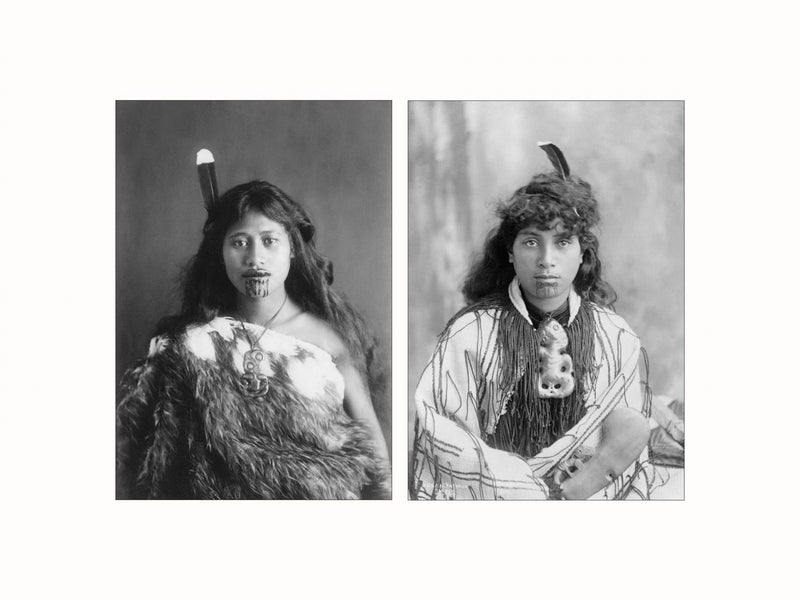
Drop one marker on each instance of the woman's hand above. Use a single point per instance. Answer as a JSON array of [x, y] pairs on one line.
[[568, 467]]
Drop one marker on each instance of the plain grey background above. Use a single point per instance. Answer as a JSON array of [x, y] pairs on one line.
[[332, 157]]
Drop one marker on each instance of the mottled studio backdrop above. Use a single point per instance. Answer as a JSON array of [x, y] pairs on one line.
[[464, 156], [333, 157]]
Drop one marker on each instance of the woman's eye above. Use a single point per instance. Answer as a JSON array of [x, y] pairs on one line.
[[531, 243], [239, 243], [564, 243], [270, 241]]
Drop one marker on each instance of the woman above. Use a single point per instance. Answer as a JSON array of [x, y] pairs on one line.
[[524, 379], [261, 387]]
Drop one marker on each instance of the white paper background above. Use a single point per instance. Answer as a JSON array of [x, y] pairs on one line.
[[64, 65]]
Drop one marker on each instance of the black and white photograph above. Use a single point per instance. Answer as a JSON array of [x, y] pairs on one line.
[[253, 332], [546, 302], [509, 256]]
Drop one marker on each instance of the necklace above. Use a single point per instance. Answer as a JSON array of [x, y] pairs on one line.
[[560, 314], [255, 383]]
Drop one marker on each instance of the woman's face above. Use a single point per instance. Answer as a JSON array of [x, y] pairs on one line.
[[257, 253], [546, 263]]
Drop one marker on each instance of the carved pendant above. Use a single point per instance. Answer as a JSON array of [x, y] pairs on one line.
[[255, 383], [556, 373]]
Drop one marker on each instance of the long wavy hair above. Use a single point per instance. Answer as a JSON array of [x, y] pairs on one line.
[[207, 292], [544, 199]]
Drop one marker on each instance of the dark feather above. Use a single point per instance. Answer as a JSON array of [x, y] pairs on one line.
[[557, 158], [208, 182]]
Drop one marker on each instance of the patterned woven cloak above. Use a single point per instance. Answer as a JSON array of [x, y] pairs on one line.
[[473, 379]]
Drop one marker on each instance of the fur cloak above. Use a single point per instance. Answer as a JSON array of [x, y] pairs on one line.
[[187, 430]]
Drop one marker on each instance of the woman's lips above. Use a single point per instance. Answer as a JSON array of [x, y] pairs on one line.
[[546, 281]]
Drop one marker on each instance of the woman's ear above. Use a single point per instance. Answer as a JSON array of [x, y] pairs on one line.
[[510, 256]]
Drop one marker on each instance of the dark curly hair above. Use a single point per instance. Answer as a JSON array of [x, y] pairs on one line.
[[545, 198], [207, 291]]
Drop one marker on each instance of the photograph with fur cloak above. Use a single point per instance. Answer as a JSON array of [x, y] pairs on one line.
[[211, 415]]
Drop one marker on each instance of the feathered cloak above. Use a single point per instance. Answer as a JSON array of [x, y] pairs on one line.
[[186, 429]]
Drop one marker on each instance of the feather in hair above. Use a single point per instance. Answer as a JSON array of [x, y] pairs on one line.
[[208, 177], [557, 158]]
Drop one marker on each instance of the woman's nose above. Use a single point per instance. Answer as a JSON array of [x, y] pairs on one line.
[[255, 256], [546, 256]]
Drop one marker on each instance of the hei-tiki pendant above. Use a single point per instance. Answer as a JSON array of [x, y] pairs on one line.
[[255, 383], [556, 378]]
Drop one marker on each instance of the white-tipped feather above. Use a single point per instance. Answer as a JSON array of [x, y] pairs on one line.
[[208, 177], [204, 157]]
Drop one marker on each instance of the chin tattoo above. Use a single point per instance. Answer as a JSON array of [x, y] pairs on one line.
[[256, 287], [546, 290]]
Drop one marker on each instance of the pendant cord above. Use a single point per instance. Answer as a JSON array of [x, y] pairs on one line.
[[266, 325]]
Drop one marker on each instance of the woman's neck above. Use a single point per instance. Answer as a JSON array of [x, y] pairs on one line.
[[260, 310], [560, 314]]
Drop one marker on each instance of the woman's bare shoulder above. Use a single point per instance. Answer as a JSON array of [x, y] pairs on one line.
[[314, 330]]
